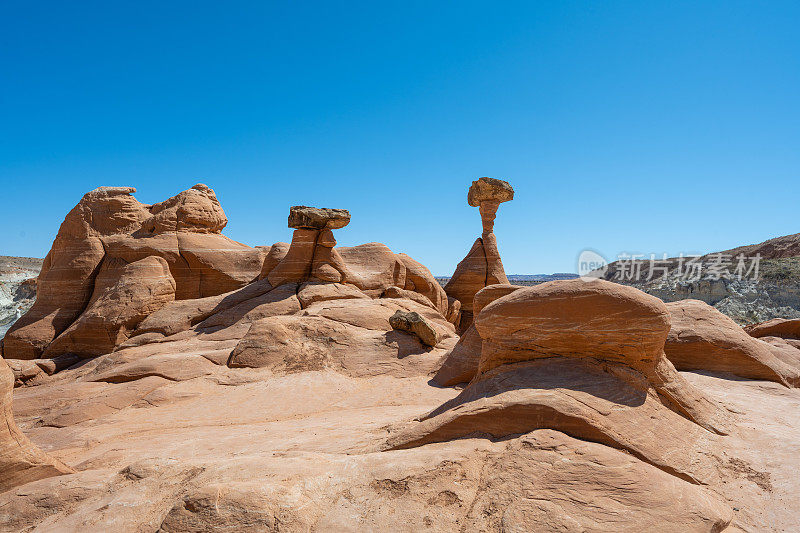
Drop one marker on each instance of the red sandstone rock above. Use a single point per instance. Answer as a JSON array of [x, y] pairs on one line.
[[491, 293], [262, 408], [312, 292], [281, 300], [275, 255], [351, 335], [373, 267], [20, 461], [574, 318], [461, 364], [295, 267], [482, 265], [585, 358], [109, 224], [420, 279], [182, 315], [777, 327], [469, 276], [125, 294], [785, 350], [702, 338], [412, 322]]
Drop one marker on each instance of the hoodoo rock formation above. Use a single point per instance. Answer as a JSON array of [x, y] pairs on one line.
[[311, 254], [482, 265], [109, 228], [193, 383], [584, 358]]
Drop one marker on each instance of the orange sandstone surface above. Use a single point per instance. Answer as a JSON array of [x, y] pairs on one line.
[[171, 379]]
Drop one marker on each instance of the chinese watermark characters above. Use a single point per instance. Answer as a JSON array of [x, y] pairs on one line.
[[636, 268]]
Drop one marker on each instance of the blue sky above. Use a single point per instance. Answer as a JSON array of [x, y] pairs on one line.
[[623, 126]]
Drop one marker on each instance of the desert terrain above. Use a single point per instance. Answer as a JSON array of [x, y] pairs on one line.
[[168, 378]]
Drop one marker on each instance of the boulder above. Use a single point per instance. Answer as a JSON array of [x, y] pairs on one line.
[[412, 322], [489, 190], [319, 218], [702, 338], [20, 460]]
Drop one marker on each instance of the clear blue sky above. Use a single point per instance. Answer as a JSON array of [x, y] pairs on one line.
[[623, 126]]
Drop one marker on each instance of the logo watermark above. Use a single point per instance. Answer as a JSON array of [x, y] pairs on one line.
[[591, 265], [636, 268]]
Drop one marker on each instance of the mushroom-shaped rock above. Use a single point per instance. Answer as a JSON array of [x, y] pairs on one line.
[[312, 256], [482, 265], [488, 194], [301, 216], [413, 322], [584, 358]]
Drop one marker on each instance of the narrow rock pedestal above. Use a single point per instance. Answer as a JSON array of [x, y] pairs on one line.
[[482, 265], [311, 255]]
